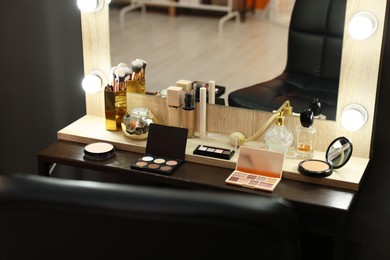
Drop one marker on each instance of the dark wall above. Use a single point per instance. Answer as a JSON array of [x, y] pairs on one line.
[[41, 67], [369, 224]]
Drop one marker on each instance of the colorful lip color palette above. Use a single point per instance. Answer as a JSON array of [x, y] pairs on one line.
[[165, 150], [257, 169], [215, 152]]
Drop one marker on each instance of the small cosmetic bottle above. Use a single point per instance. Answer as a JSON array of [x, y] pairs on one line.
[[188, 113], [211, 92], [174, 105], [305, 135], [202, 112]]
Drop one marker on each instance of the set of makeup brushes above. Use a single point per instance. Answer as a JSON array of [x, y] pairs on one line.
[[122, 73]]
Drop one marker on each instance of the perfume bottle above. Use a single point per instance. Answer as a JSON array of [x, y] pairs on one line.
[[279, 137], [305, 135]]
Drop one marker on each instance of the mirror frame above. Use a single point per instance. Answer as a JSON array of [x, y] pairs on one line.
[[360, 65]]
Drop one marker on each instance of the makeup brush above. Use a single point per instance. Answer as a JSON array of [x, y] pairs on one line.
[[127, 72], [121, 75], [122, 65], [113, 75], [142, 76], [137, 66]]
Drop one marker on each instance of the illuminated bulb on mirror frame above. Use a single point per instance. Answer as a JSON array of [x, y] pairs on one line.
[[90, 6], [362, 25], [93, 82], [354, 116]]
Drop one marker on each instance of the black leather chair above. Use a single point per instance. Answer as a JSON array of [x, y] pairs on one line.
[[49, 218], [313, 62]]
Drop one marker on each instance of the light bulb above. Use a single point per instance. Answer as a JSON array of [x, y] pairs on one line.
[[354, 116], [362, 25], [89, 6], [92, 83]]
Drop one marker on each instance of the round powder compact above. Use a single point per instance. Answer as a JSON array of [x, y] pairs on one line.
[[315, 168], [99, 151]]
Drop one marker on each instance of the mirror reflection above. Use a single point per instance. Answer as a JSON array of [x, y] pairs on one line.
[[188, 46], [339, 152]]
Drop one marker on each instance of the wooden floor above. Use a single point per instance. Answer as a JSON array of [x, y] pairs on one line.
[[188, 46]]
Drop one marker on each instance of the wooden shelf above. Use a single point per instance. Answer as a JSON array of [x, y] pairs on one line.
[[92, 128]]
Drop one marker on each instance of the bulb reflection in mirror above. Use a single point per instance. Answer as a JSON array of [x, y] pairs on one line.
[[362, 25], [92, 83], [354, 116], [90, 6]]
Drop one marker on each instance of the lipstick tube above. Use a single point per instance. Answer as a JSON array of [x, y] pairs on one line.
[[174, 105]]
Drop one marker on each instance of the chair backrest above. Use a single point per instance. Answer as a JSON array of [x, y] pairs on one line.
[[48, 218], [316, 38], [313, 62]]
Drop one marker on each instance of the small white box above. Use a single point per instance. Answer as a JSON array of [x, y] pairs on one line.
[[174, 96]]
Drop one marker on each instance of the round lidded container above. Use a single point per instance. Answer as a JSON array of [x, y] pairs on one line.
[[337, 155], [99, 151], [136, 123]]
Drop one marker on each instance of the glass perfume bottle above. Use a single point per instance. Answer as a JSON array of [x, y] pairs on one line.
[[305, 134], [278, 137]]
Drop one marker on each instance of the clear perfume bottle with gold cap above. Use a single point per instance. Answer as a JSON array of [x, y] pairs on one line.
[[278, 137]]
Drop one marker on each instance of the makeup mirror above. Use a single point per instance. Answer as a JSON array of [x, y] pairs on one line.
[[339, 152], [190, 47], [360, 67], [250, 52]]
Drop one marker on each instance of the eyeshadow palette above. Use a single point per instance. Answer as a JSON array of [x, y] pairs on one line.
[[257, 169], [157, 164], [99, 151], [165, 149], [215, 152], [253, 181]]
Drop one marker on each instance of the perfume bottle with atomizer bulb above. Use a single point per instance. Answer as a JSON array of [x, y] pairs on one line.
[[278, 137], [305, 134]]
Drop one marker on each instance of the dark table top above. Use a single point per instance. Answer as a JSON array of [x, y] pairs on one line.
[[306, 196]]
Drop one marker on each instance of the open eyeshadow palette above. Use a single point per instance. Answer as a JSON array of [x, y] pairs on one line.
[[165, 150], [257, 169], [215, 152]]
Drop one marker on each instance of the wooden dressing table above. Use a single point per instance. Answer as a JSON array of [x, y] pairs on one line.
[[322, 209]]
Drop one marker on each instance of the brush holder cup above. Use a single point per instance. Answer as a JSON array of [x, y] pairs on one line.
[[136, 86], [115, 105]]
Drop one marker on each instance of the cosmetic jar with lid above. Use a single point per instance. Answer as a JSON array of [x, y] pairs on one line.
[[337, 155], [136, 123]]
